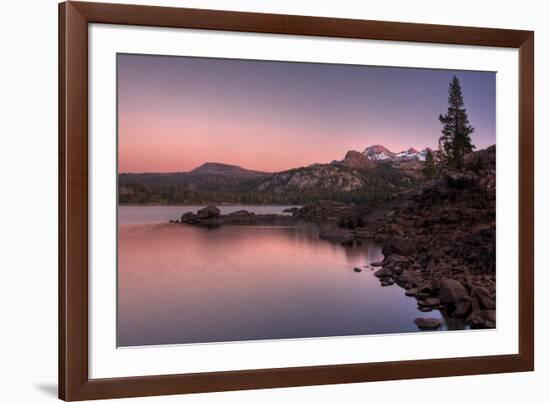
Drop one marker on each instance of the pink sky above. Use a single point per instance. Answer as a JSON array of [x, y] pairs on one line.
[[176, 113], [254, 146]]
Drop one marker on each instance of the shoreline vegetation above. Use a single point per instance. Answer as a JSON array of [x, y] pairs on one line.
[[438, 240]]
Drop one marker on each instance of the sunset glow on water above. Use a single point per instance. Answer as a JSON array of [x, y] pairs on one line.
[[184, 284]]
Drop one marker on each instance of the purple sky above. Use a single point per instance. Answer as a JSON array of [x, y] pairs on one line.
[[176, 113]]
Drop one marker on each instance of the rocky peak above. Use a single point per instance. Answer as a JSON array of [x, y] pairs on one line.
[[357, 160], [378, 152]]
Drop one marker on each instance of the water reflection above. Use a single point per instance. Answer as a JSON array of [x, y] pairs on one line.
[[184, 284]]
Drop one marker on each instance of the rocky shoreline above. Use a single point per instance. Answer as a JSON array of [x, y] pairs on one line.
[[438, 241]]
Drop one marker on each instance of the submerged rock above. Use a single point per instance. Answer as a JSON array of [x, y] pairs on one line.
[[427, 323]]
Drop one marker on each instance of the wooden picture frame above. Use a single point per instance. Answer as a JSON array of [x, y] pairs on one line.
[[74, 381]]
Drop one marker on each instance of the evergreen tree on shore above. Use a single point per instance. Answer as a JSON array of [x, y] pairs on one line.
[[455, 141], [429, 165]]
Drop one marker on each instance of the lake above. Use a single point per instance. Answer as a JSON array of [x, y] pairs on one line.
[[184, 284]]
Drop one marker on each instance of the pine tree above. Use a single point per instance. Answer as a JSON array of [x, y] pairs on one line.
[[429, 165], [455, 141]]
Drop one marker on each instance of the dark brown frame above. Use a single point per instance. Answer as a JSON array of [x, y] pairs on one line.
[[74, 17]]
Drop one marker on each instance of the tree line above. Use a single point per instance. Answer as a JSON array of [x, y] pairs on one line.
[[139, 193]]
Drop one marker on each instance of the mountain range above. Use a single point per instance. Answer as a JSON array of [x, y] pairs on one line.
[[381, 153], [374, 173]]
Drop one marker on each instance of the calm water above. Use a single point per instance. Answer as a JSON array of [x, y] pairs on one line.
[[163, 213], [184, 284]]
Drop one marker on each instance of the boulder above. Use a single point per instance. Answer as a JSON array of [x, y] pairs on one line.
[[383, 272], [462, 309], [479, 319], [426, 288], [436, 285], [188, 217], [208, 212], [427, 323], [386, 281], [432, 301], [407, 279], [356, 269], [451, 291], [377, 264], [484, 297], [398, 245]]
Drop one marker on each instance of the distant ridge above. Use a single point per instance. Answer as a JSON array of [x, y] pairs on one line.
[[215, 168]]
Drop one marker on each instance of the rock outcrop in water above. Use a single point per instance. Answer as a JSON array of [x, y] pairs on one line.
[[211, 217], [208, 212]]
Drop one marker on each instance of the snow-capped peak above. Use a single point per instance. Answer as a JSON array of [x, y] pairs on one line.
[[378, 153], [381, 153]]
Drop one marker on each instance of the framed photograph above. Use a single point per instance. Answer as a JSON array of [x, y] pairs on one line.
[[258, 200]]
